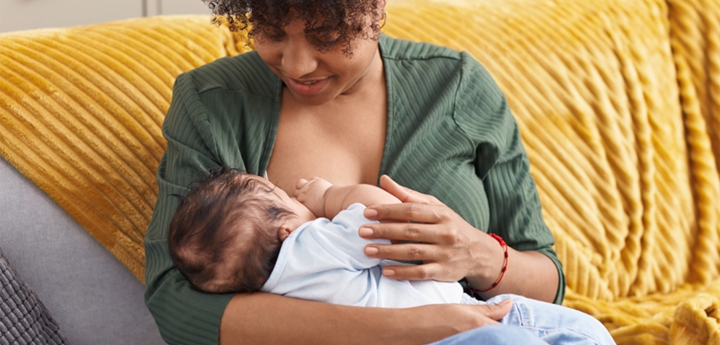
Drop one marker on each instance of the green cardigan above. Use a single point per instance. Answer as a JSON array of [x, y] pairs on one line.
[[449, 134]]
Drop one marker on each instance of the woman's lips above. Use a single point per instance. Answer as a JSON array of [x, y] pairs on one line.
[[307, 88]]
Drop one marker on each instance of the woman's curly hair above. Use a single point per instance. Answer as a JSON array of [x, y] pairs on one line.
[[328, 23]]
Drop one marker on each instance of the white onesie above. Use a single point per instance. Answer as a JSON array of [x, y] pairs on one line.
[[324, 261]]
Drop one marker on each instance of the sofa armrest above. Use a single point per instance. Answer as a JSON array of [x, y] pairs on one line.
[[91, 295]]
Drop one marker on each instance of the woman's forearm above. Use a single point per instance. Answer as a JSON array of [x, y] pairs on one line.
[[530, 274], [263, 318]]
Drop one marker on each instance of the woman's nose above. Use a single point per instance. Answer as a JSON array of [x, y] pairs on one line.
[[299, 60]]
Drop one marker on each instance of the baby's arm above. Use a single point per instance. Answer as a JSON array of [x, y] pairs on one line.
[[327, 200]]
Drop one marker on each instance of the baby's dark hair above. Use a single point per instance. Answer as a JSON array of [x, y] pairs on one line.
[[226, 208], [329, 23]]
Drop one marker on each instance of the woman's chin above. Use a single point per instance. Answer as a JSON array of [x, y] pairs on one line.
[[314, 100]]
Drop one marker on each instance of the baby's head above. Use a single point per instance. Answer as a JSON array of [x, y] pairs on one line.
[[226, 233]]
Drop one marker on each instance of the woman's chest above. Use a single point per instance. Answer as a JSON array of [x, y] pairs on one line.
[[341, 146]]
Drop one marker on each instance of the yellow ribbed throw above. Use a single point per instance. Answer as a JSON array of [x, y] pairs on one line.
[[618, 102]]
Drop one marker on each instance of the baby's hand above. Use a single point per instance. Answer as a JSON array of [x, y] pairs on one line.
[[312, 194]]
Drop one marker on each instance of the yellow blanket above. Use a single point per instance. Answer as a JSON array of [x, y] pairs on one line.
[[81, 110], [616, 101]]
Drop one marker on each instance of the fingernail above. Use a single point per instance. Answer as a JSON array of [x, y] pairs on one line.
[[365, 232], [388, 272], [370, 213], [371, 250]]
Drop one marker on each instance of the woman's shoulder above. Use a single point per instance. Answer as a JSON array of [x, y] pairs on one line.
[[245, 72], [402, 49], [397, 49], [431, 73]]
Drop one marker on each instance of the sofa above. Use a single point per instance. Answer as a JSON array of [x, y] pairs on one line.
[[617, 102]]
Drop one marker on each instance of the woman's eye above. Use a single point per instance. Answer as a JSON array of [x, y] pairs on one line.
[[273, 36], [324, 38]]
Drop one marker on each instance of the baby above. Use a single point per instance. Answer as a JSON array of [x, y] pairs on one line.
[[237, 232]]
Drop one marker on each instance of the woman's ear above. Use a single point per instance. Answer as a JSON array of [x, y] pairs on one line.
[[381, 6], [284, 231]]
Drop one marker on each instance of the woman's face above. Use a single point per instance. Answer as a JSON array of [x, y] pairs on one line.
[[313, 77]]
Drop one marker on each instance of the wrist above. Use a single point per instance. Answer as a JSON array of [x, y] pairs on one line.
[[325, 203], [492, 274], [486, 257]]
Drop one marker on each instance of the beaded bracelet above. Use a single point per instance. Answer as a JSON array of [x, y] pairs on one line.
[[502, 272]]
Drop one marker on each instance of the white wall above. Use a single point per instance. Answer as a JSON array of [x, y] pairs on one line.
[[182, 6], [34, 14]]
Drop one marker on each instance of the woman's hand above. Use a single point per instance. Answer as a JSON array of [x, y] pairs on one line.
[[450, 248], [461, 317]]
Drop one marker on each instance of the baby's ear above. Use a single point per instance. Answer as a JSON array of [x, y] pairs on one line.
[[284, 231]]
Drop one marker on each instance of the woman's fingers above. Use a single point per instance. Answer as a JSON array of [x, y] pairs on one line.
[[406, 251], [415, 207], [392, 187], [497, 311], [419, 213], [429, 233], [406, 195], [428, 271]]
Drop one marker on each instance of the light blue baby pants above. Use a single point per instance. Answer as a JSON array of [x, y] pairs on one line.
[[531, 322]]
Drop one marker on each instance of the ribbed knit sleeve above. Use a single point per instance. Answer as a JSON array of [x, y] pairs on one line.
[[183, 315], [515, 214]]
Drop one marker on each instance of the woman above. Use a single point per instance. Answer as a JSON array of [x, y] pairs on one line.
[[324, 94]]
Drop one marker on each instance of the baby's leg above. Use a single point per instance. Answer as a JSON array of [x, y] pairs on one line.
[[553, 323], [492, 335]]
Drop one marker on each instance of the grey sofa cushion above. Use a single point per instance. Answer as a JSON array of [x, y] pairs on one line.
[[91, 295], [23, 318]]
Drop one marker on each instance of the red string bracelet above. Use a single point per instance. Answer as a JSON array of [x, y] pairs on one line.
[[502, 272]]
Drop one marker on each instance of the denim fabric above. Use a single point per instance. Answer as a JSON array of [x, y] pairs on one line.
[[535, 322], [493, 335]]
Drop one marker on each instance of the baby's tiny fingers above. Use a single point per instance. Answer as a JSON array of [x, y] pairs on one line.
[[300, 183]]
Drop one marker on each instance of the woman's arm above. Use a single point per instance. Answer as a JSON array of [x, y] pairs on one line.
[[525, 267], [263, 318]]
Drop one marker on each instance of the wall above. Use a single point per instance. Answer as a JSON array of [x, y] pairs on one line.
[[35, 14]]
